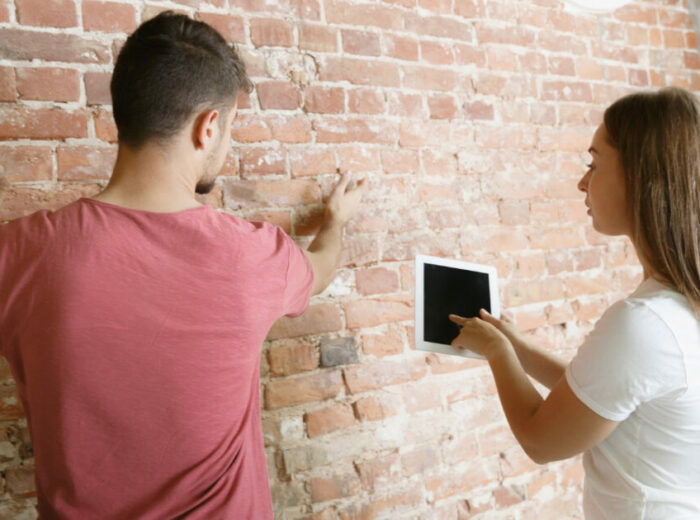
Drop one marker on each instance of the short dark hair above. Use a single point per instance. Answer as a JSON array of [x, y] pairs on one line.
[[169, 68]]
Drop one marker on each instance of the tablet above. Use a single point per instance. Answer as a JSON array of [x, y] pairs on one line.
[[444, 287]]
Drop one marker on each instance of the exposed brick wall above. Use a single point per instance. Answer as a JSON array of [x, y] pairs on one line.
[[469, 118]]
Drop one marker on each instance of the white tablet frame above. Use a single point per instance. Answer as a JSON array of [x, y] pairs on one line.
[[421, 260]]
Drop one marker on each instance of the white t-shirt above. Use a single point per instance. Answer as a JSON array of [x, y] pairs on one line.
[[641, 366]]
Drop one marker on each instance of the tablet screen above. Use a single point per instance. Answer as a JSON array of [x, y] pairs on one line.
[[448, 290]]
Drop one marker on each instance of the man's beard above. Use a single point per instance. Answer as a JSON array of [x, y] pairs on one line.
[[203, 187]]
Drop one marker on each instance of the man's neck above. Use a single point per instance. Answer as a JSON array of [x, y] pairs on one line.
[[148, 179]]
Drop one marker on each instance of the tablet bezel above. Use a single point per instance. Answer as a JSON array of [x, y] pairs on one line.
[[419, 296]]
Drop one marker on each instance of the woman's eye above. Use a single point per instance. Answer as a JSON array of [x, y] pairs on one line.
[[590, 166]]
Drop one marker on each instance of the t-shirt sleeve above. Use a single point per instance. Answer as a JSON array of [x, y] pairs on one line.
[[629, 358], [300, 278]]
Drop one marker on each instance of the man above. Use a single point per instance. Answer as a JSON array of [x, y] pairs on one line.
[[133, 320]]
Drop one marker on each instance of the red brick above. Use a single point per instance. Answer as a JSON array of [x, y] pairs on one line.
[[376, 280], [8, 85], [318, 38], [470, 8], [469, 55], [361, 314], [47, 13], [479, 110], [426, 134], [366, 101], [317, 319], [48, 84], [108, 16], [400, 47], [503, 59], [250, 128], [566, 91], [400, 161], [440, 27], [105, 128], [379, 472], [329, 419], [358, 159], [97, 88], [429, 78], [290, 129], [281, 95], [4, 13], [377, 507], [271, 32], [291, 359], [387, 343], [232, 28], [354, 130], [421, 396], [363, 378], [506, 497], [691, 60], [374, 15], [325, 100], [364, 43], [16, 44], [262, 161], [311, 162], [437, 163], [561, 66], [408, 105], [20, 481], [26, 163], [85, 162], [637, 14], [373, 408], [361, 72], [419, 460], [443, 106], [17, 122], [673, 39], [339, 486], [281, 393], [436, 53]]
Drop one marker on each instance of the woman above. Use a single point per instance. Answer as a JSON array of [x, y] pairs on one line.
[[630, 399]]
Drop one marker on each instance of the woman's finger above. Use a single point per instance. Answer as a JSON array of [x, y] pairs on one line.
[[458, 319]]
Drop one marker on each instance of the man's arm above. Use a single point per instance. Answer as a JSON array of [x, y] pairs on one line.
[[324, 252]]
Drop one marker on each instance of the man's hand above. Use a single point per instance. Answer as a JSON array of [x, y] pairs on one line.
[[324, 251], [343, 202]]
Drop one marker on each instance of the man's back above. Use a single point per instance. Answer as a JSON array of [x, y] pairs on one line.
[[135, 339]]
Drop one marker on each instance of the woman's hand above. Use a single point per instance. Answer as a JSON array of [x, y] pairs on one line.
[[481, 336]]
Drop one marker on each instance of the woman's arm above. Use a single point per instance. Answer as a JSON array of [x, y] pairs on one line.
[[554, 428], [543, 366]]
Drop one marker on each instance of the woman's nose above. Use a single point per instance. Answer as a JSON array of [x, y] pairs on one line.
[[583, 183]]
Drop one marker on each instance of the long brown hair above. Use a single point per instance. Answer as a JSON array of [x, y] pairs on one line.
[[657, 135]]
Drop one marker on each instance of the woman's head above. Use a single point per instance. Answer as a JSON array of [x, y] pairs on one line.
[[657, 139]]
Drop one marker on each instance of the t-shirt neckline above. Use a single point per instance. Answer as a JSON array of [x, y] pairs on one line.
[[142, 211]]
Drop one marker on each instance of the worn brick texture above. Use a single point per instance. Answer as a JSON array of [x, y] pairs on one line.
[[469, 118]]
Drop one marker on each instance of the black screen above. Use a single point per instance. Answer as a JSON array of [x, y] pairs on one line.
[[451, 291]]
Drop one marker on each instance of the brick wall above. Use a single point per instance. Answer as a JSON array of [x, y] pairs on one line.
[[469, 119]]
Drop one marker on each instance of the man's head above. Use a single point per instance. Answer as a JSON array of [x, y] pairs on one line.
[[172, 73]]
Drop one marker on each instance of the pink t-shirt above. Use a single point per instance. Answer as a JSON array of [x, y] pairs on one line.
[[134, 338]]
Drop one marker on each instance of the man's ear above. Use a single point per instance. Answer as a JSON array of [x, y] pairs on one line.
[[205, 128]]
